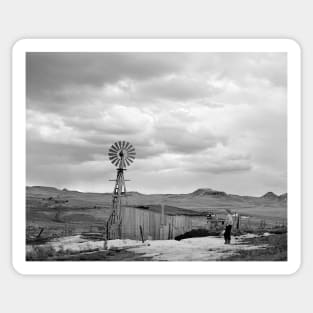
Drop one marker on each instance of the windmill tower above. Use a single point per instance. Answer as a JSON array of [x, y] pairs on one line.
[[121, 154]]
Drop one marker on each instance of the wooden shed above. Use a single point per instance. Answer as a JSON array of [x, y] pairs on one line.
[[154, 225]]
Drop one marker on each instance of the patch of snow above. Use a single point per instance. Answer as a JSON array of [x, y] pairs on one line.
[[72, 244], [248, 235], [68, 239], [200, 249], [123, 243]]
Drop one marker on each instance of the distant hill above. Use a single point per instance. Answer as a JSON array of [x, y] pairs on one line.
[[208, 192], [199, 200], [134, 193], [283, 197], [270, 195], [201, 192]]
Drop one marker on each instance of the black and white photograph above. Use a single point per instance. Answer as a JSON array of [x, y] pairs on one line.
[[156, 156]]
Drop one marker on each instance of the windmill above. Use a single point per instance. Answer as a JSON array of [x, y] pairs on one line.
[[121, 154]]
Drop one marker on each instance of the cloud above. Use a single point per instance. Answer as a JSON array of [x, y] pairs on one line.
[[176, 88], [52, 71], [195, 119]]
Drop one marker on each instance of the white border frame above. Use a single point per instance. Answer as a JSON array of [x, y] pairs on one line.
[[156, 45]]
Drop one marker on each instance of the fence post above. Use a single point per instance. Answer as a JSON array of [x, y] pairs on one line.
[[141, 234], [162, 213]]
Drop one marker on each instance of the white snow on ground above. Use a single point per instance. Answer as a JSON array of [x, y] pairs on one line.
[[266, 234], [73, 244], [192, 249], [76, 244]]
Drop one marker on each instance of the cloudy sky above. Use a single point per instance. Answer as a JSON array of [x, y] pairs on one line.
[[214, 120]]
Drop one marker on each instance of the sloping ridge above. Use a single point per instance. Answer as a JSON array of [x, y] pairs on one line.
[[272, 196], [208, 192]]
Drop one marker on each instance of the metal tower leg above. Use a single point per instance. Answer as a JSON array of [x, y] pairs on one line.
[[114, 223]]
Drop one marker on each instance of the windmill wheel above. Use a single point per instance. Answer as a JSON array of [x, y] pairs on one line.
[[122, 154]]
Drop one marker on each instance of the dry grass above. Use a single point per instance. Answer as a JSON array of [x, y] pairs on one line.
[[48, 253], [275, 251]]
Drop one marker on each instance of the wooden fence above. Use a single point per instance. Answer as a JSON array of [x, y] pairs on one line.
[[154, 225]]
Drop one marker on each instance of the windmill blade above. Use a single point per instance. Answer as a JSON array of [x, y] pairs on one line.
[[130, 147], [123, 144], [127, 145], [115, 145], [113, 148], [112, 153], [120, 144], [128, 163], [113, 160], [131, 150], [116, 162]]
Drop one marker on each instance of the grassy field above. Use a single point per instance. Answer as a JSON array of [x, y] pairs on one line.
[[104, 255], [194, 247], [51, 212], [275, 251]]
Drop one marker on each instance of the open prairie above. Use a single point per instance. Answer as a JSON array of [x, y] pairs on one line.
[[71, 212]]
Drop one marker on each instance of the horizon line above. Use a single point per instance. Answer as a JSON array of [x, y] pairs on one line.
[[207, 188]]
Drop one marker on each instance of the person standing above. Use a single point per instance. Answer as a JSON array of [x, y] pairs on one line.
[[228, 226]]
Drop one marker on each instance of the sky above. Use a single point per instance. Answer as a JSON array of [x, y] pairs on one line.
[[196, 120]]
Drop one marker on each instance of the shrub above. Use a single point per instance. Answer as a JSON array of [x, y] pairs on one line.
[[40, 253]]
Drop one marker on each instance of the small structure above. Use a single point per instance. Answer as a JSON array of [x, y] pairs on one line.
[[143, 224]]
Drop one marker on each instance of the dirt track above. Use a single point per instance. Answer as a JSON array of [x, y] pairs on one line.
[[247, 247]]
